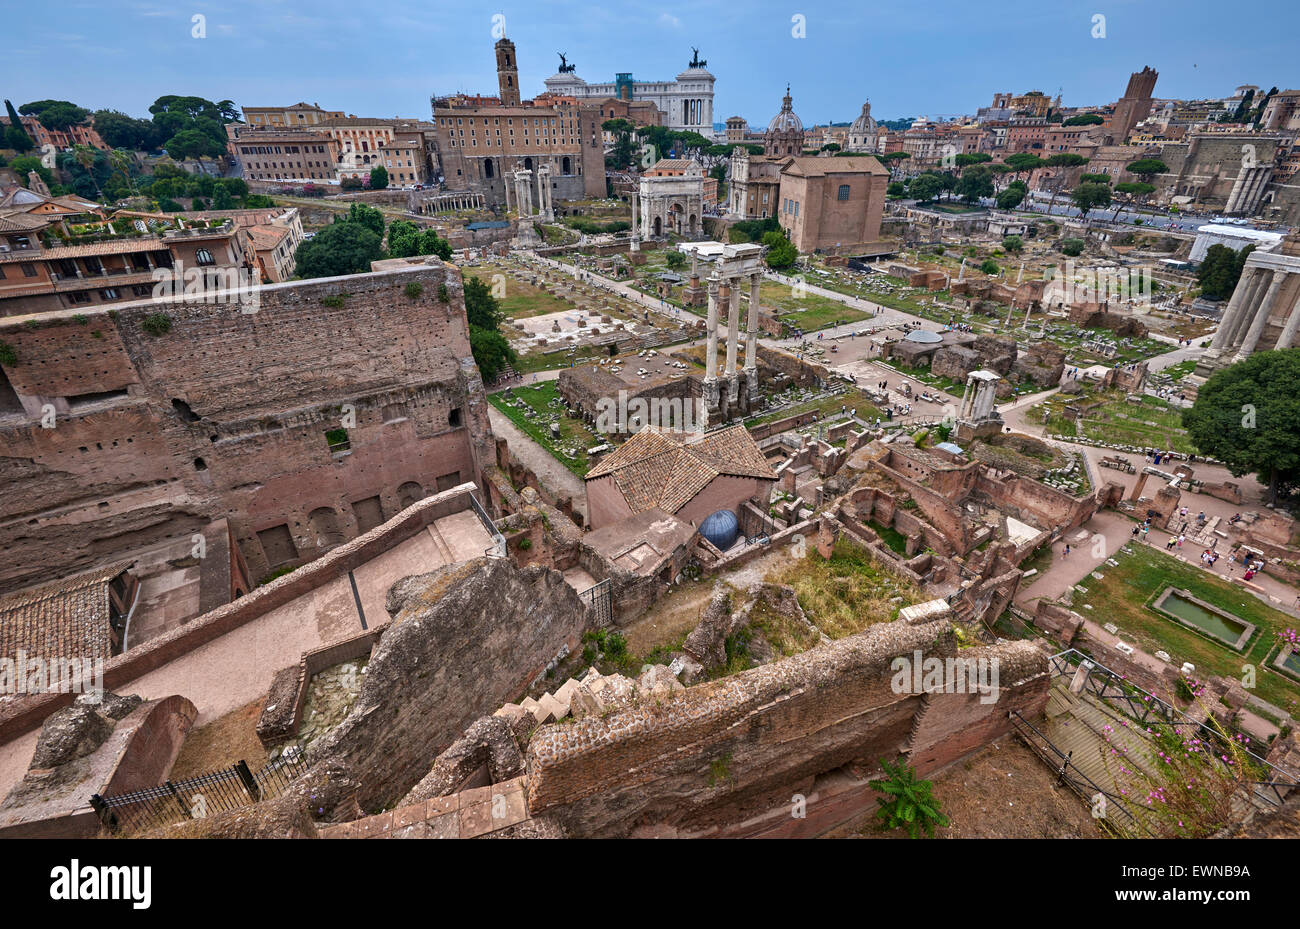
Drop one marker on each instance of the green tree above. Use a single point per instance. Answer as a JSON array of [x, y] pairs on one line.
[[1220, 270], [1011, 197], [1024, 162], [1084, 119], [1095, 179], [781, 252], [55, 115], [1088, 196], [1245, 416], [122, 131], [907, 802], [343, 248], [24, 164], [1072, 248], [378, 177], [1130, 191], [1147, 168], [1014, 244], [675, 260], [481, 308], [367, 216], [222, 200], [975, 183], [925, 187], [989, 266], [16, 136], [895, 189], [491, 350]]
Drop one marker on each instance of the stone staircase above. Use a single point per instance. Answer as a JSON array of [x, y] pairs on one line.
[[444, 549], [592, 695]]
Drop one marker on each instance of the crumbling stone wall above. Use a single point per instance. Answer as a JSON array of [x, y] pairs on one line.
[[464, 640], [721, 753]]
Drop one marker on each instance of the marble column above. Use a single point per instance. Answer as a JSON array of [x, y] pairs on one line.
[[1292, 324], [733, 324], [1252, 288], [751, 326], [1261, 317], [1230, 314], [711, 351]]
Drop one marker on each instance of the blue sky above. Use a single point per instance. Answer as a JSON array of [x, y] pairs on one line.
[[385, 59]]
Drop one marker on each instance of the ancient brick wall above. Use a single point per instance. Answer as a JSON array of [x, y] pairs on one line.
[[225, 415], [720, 753]]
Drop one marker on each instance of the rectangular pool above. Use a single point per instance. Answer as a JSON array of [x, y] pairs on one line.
[[1205, 618]]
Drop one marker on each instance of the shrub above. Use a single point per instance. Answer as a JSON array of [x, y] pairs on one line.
[[1072, 247], [443, 295], [81, 319], [907, 802], [525, 544], [989, 266], [157, 324], [414, 289], [8, 357], [334, 301]]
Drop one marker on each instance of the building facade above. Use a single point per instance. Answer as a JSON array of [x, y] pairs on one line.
[[685, 102]]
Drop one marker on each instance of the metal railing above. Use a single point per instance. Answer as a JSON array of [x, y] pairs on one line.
[[1070, 775], [1272, 785], [498, 549], [600, 598], [200, 796]]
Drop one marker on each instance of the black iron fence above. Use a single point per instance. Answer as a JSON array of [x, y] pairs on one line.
[[200, 796], [600, 599], [1116, 811], [1269, 782]]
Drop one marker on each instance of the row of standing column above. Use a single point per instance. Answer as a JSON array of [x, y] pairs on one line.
[[726, 291], [1248, 313]]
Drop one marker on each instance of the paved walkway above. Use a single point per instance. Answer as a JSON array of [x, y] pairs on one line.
[[558, 480]]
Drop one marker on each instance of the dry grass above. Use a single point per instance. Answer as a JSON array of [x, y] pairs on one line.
[[221, 743], [785, 634], [848, 592]]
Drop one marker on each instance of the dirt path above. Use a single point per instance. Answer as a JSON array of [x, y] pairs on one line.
[[558, 480]]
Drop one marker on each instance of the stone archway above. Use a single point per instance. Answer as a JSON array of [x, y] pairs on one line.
[[675, 213], [693, 224], [659, 226], [409, 493], [528, 164], [566, 166]]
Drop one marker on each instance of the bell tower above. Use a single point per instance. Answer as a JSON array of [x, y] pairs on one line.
[[507, 72]]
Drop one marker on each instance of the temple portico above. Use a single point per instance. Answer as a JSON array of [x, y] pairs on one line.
[[736, 269]]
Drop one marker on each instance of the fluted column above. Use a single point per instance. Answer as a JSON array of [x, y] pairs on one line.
[[1230, 316], [1261, 316], [1249, 304], [751, 325], [711, 351], [733, 325], [1292, 324]]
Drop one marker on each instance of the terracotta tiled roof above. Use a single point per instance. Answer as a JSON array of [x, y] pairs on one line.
[[667, 469], [839, 164], [22, 221], [266, 237], [63, 619]]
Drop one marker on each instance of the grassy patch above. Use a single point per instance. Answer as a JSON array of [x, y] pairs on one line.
[[1122, 595], [849, 591], [543, 400]]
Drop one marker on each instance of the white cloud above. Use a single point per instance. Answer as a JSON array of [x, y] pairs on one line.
[[668, 19]]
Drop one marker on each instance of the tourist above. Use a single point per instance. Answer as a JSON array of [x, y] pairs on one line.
[[1170, 544], [1180, 540], [1067, 550]]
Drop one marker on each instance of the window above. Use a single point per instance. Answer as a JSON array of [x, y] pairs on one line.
[[109, 293], [844, 192], [29, 269], [204, 257], [453, 418]]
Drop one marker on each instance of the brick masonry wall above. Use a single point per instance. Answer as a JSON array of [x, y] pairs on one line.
[[225, 415], [724, 752]]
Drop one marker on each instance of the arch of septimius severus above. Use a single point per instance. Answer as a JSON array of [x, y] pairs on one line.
[[1264, 312]]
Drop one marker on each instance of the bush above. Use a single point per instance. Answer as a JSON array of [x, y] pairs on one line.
[[443, 295], [1072, 248], [908, 802], [157, 324], [8, 357], [414, 289], [989, 266]]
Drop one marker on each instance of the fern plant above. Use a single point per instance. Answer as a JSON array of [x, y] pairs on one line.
[[908, 801]]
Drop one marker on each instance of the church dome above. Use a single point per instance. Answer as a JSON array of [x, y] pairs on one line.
[[786, 120], [864, 124]]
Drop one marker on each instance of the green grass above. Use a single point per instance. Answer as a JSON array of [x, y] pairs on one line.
[[854, 399], [1150, 423], [572, 431], [849, 591], [890, 536], [521, 299], [1122, 596]]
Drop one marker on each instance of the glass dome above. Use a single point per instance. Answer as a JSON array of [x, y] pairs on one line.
[[721, 529]]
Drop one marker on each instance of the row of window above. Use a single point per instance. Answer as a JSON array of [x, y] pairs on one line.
[[496, 121], [281, 150], [29, 269]]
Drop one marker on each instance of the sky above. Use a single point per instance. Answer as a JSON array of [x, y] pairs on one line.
[[386, 59]]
